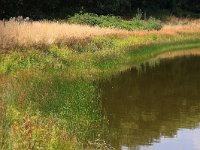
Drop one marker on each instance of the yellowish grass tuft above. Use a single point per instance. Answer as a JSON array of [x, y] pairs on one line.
[[185, 25], [172, 20], [26, 34]]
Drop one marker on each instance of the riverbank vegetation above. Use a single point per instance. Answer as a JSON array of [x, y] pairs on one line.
[[60, 9], [136, 23], [47, 96], [24, 34], [49, 113], [86, 51]]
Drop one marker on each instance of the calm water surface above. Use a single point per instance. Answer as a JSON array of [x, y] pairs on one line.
[[156, 109]]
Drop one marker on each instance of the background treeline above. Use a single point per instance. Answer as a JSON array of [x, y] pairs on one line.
[[53, 9]]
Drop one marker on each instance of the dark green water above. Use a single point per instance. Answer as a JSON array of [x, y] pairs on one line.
[[156, 109]]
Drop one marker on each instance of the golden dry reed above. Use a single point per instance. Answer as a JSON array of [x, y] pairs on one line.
[[23, 34], [182, 25]]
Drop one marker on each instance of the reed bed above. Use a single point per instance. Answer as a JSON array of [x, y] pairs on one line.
[[172, 20], [15, 34], [185, 25]]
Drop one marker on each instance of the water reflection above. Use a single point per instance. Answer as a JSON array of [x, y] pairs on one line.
[[186, 139], [157, 109]]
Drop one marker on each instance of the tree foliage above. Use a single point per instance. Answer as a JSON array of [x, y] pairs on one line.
[[50, 9]]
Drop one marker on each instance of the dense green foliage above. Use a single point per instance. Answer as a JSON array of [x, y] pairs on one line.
[[135, 23], [61, 8]]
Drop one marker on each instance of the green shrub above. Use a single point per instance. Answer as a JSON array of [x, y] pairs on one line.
[[135, 23], [154, 24], [87, 18]]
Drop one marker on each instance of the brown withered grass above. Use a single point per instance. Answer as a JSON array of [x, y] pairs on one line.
[[28, 34], [172, 20], [182, 25], [13, 33], [175, 25]]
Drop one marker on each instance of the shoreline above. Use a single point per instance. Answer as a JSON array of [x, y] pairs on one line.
[[51, 87]]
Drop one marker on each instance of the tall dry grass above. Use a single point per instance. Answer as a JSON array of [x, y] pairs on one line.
[[175, 25], [13, 33], [185, 25], [26, 34], [172, 20]]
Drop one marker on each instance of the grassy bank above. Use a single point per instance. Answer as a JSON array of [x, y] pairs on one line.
[[50, 113], [46, 98], [98, 53]]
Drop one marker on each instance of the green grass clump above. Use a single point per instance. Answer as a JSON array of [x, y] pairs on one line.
[[136, 23], [30, 130], [58, 109]]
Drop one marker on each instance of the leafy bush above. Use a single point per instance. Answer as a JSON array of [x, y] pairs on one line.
[[135, 23], [87, 18]]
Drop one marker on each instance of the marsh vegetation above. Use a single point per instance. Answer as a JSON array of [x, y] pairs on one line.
[[59, 81]]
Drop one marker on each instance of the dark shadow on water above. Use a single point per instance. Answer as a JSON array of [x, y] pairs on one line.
[[143, 107]]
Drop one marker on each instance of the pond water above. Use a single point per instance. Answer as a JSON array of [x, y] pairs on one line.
[[157, 108]]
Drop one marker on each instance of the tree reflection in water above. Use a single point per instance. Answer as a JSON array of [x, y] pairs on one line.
[[143, 107]]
